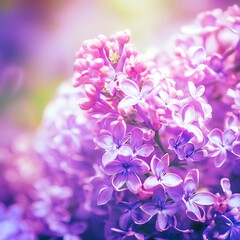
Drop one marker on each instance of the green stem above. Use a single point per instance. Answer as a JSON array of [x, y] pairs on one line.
[[158, 141]]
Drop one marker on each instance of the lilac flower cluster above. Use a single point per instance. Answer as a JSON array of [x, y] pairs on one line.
[[64, 193], [140, 148], [169, 131], [18, 169]]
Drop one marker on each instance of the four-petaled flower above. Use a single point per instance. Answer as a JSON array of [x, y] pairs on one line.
[[132, 214], [126, 169], [113, 142], [186, 120], [189, 153], [160, 176], [134, 94], [164, 209], [192, 200], [184, 149], [137, 145], [182, 140], [222, 142]]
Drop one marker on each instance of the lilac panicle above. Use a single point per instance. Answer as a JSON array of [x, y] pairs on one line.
[[152, 153], [158, 127], [143, 156]]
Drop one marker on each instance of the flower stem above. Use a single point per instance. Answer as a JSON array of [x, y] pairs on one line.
[[144, 117], [158, 141]]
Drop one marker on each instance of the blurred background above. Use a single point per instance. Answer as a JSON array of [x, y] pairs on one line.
[[38, 41]]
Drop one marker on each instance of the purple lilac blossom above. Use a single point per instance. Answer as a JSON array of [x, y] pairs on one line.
[[157, 120], [64, 198], [225, 215], [152, 153], [160, 176], [164, 210]]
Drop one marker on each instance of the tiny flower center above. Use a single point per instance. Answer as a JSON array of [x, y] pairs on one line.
[[125, 166]]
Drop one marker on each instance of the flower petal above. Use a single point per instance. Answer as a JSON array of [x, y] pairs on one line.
[[163, 95], [153, 165], [178, 119], [109, 156], [129, 87], [199, 155], [138, 166], [127, 102], [189, 149], [229, 136], [192, 89], [125, 220], [200, 91], [125, 150], [105, 141], [165, 161], [139, 216], [215, 136], [159, 166], [136, 139], [194, 211], [145, 150], [172, 144], [196, 131], [161, 222], [121, 76], [204, 198], [188, 114], [159, 195], [151, 182], [150, 208], [104, 196], [147, 87], [236, 148], [113, 167], [119, 180], [171, 180], [184, 138], [191, 181], [170, 208], [197, 55], [176, 193], [226, 187], [119, 131], [220, 158], [234, 201], [77, 228], [133, 182]]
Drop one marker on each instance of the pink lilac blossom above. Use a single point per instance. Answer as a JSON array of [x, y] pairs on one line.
[[139, 148], [163, 124]]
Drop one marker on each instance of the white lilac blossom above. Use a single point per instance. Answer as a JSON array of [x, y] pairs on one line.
[[139, 148]]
